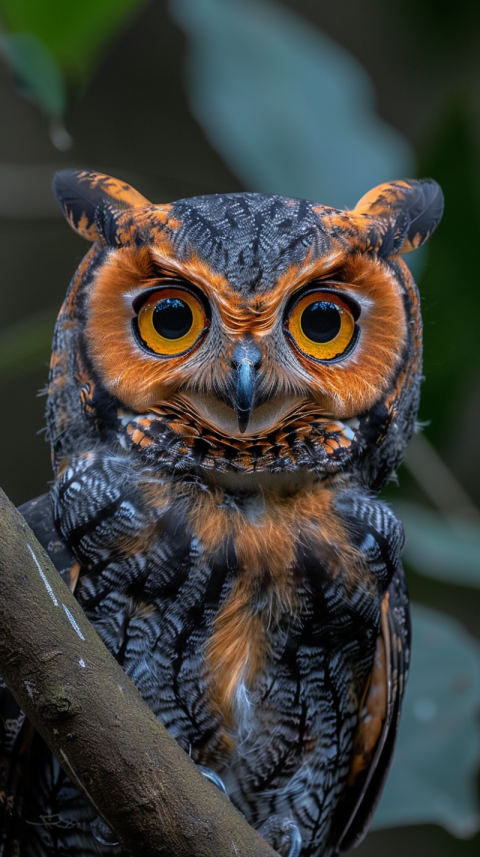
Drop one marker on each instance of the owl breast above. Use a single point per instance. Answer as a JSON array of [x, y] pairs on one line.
[[246, 618]]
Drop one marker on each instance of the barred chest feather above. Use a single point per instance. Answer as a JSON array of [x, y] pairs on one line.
[[246, 618]]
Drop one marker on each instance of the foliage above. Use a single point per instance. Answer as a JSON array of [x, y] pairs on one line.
[[36, 72], [289, 109], [447, 289], [26, 343], [51, 44], [433, 778], [443, 548], [74, 34]]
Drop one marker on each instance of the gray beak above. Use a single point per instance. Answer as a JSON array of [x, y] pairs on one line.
[[246, 358]]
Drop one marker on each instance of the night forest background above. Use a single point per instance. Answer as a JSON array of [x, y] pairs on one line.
[[303, 98]]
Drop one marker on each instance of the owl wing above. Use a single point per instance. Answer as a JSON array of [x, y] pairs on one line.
[[379, 719], [38, 514], [16, 732]]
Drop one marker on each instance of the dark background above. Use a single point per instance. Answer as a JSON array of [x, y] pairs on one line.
[[133, 120]]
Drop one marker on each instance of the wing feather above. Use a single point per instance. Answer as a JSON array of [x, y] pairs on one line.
[[379, 719]]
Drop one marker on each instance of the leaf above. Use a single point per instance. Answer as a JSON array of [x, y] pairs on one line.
[[27, 343], [74, 33], [36, 72], [444, 548], [451, 353], [433, 777], [290, 110]]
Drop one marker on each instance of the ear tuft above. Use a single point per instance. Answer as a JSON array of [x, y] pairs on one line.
[[425, 213], [405, 213], [82, 194]]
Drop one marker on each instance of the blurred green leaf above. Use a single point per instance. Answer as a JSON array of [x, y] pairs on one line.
[[446, 28], [74, 33], [36, 72], [445, 548], [449, 289], [290, 110], [433, 777], [27, 343]]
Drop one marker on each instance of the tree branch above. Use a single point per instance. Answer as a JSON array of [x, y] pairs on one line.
[[94, 720]]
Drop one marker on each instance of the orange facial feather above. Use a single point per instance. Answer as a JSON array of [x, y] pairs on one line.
[[341, 389]]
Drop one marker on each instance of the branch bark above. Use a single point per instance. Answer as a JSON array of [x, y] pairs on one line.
[[94, 720]]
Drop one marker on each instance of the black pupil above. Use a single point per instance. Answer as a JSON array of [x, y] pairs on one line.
[[321, 321], [172, 318]]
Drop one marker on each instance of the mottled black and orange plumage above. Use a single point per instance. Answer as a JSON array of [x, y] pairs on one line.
[[233, 377]]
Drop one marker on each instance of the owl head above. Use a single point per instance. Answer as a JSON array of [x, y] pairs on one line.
[[241, 332]]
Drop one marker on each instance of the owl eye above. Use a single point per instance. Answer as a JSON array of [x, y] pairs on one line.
[[171, 321], [321, 325]]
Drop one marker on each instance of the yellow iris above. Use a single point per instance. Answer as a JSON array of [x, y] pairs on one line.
[[170, 321], [321, 325]]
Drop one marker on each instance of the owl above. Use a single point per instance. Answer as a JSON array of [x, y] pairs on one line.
[[233, 379]]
